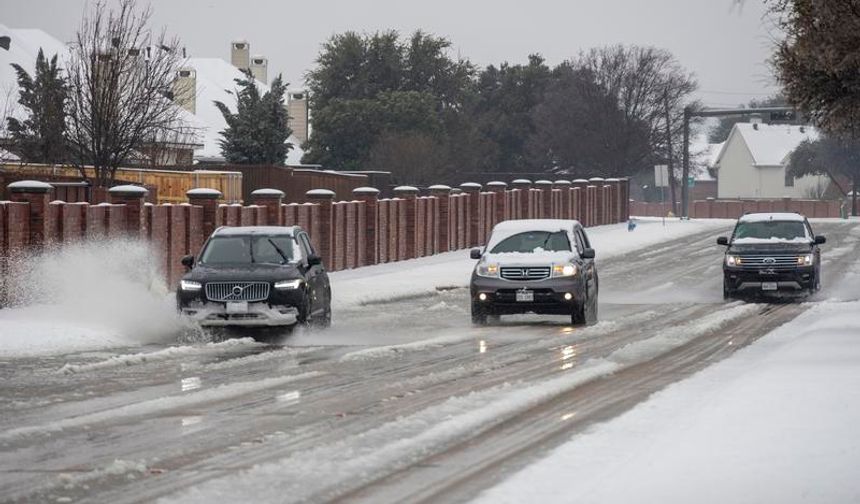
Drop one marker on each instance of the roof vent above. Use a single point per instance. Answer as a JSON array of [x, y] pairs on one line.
[[755, 126]]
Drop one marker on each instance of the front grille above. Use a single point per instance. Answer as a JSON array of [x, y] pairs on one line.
[[769, 262], [525, 273], [237, 291]]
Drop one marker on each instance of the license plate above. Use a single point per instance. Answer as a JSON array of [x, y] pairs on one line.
[[768, 286], [237, 307], [525, 296]]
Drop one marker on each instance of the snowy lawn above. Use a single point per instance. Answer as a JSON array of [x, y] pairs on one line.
[[777, 422]]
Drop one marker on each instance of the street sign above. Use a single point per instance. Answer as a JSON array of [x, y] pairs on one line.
[[691, 182], [661, 176]]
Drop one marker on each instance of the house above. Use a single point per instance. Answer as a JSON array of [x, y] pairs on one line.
[[203, 81], [752, 163], [21, 47]]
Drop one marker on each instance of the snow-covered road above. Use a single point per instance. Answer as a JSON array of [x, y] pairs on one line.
[[402, 400]]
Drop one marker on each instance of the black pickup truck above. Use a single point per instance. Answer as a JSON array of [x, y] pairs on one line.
[[771, 254]]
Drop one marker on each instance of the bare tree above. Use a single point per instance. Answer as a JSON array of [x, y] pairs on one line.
[[120, 76], [7, 102], [651, 89]]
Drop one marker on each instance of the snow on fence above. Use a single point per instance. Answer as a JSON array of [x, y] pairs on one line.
[[732, 209], [347, 234]]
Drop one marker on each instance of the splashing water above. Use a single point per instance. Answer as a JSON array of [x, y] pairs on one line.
[[114, 288]]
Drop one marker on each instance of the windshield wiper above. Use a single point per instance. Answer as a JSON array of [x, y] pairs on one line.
[[280, 252]]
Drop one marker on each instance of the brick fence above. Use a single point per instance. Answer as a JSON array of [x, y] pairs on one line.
[[347, 234], [732, 209]]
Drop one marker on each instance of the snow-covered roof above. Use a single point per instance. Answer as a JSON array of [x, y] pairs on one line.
[[769, 144], [23, 49], [216, 81], [768, 216]]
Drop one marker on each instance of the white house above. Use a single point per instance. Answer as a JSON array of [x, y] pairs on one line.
[[214, 79], [752, 163]]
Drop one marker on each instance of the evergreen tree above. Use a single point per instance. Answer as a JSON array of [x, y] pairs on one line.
[[257, 132], [40, 137]]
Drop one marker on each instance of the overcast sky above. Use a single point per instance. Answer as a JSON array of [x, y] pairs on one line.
[[724, 45]]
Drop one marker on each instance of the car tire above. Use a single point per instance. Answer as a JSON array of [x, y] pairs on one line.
[[479, 316], [323, 321], [728, 295], [593, 312], [579, 315]]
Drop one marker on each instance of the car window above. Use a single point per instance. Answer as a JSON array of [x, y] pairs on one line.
[[771, 230], [580, 244], [306, 245], [584, 238], [248, 249], [534, 241]]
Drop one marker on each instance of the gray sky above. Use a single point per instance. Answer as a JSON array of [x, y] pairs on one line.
[[726, 46]]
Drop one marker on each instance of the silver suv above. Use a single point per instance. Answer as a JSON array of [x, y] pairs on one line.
[[535, 266]]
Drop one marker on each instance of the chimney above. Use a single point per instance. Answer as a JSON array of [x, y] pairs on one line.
[[755, 119], [297, 110], [185, 89], [240, 54], [259, 69], [5, 42]]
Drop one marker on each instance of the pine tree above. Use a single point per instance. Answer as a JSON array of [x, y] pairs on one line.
[[40, 137], [257, 132]]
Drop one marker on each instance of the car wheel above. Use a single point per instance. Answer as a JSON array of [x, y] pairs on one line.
[[479, 316], [727, 294], [324, 320], [579, 315], [592, 319]]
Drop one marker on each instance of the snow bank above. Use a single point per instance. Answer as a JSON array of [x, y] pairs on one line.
[[416, 277], [775, 423], [87, 296]]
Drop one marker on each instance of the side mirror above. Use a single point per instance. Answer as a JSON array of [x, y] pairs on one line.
[[314, 260], [588, 253], [722, 240], [188, 261], [475, 253], [820, 240]]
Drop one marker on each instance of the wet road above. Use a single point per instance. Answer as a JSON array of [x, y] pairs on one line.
[[325, 419]]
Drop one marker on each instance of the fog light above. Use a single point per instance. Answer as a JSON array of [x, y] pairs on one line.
[[482, 296], [568, 296]]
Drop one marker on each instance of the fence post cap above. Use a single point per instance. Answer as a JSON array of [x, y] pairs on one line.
[[404, 189], [204, 193], [128, 190], [267, 193], [596, 179], [613, 179], [521, 181], [29, 186], [440, 188], [470, 186], [562, 182], [497, 183], [320, 194], [365, 191], [456, 190], [543, 182]]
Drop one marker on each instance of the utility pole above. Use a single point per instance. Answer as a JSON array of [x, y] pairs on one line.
[[685, 171], [670, 154]]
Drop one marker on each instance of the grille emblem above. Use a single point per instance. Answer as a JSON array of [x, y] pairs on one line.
[[237, 290], [768, 260]]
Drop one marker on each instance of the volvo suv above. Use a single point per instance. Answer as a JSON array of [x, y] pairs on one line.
[[535, 266], [771, 253], [256, 277]]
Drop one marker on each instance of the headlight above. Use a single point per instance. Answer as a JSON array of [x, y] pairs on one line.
[[805, 260], [188, 285], [563, 270], [488, 270], [289, 284], [733, 260]]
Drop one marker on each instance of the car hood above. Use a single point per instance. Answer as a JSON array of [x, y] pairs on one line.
[[770, 247], [243, 273], [529, 259]]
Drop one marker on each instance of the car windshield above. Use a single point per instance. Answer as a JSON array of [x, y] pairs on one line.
[[534, 241], [249, 249], [771, 230]]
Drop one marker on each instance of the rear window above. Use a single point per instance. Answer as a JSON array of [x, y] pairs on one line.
[[249, 249], [534, 241], [771, 230]]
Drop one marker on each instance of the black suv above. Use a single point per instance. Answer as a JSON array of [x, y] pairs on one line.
[[771, 253], [256, 277]]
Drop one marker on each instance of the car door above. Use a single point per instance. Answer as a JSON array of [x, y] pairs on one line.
[[589, 271], [316, 277]]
